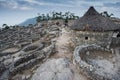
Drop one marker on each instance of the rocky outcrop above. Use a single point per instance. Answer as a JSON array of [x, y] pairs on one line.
[[55, 69]]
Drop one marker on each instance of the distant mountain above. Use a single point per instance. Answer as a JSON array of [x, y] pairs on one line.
[[28, 21]]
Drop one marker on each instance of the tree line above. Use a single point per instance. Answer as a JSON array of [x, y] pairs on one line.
[[106, 14], [64, 16], [56, 15], [6, 27]]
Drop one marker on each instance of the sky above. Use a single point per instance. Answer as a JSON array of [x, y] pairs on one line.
[[16, 11]]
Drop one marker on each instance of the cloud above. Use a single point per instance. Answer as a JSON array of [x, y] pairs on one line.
[[12, 4], [35, 2], [78, 4], [111, 6], [25, 8], [117, 4], [50, 3], [88, 3]]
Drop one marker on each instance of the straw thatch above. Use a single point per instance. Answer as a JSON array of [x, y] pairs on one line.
[[93, 21]]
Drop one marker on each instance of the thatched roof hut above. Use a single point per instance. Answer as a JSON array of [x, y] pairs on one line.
[[93, 21]]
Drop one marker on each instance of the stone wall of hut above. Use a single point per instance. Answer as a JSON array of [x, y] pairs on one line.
[[115, 42], [88, 37]]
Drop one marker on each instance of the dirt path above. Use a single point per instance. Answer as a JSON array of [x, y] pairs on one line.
[[62, 41], [64, 52]]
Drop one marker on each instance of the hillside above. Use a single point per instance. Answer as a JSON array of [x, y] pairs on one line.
[[28, 21], [52, 50]]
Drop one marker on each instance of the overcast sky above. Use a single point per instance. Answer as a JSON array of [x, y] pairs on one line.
[[16, 11]]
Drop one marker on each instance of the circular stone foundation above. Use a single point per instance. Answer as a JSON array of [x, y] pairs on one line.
[[98, 63], [11, 50], [33, 47]]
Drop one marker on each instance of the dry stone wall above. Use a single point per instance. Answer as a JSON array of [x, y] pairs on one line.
[[88, 37]]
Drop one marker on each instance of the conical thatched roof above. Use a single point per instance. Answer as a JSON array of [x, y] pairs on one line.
[[93, 21]]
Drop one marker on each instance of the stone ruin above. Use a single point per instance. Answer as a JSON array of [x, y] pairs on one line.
[[97, 53], [22, 49], [99, 63], [28, 54]]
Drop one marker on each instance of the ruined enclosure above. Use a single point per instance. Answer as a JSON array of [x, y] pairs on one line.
[[89, 50], [94, 54], [97, 62], [97, 52]]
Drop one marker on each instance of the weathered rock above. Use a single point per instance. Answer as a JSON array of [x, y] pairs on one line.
[[33, 47], [54, 28], [54, 69], [27, 58], [17, 63], [49, 50], [26, 65], [2, 68]]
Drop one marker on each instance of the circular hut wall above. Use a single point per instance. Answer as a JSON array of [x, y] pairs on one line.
[[89, 37]]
